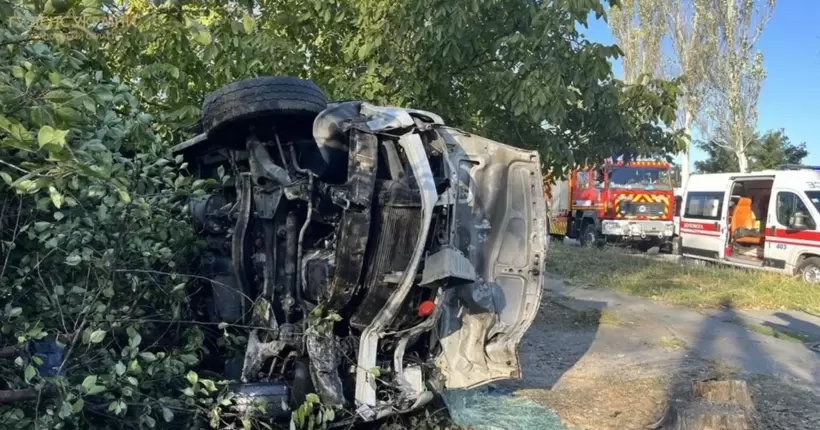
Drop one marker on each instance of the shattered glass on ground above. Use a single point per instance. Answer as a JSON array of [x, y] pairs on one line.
[[496, 408]]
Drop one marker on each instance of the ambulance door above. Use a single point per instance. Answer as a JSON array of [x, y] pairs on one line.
[[703, 226], [791, 228]]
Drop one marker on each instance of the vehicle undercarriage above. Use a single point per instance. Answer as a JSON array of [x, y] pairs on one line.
[[370, 255]]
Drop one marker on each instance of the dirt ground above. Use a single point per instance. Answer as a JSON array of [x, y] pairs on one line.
[[601, 370]]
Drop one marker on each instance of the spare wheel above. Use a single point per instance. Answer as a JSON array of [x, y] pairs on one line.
[[297, 99]]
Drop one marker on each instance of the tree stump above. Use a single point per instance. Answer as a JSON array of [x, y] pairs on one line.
[[711, 405]]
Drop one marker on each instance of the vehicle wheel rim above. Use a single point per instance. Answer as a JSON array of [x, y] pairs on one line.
[[590, 238], [811, 274]]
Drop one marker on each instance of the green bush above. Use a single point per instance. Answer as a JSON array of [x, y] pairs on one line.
[[95, 242]]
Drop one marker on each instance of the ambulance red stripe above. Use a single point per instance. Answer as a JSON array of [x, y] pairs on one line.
[[701, 233], [798, 235], [699, 226]]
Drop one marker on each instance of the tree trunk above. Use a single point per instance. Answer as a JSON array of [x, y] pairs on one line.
[[684, 167], [685, 162], [742, 160], [711, 404]]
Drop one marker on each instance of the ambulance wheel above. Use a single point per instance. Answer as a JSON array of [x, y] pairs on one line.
[[590, 237], [809, 270]]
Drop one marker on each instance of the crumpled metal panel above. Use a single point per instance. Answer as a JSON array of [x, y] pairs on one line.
[[386, 118], [448, 263], [369, 340], [501, 229], [354, 228]]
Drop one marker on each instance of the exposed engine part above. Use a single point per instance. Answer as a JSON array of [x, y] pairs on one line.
[[354, 228], [270, 241], [318, 266], [210, 213], [257, 352], [273, 394], [302, 231], [323, 350], [240, 243], [302, 383], [266, 203], [393, 234], [291, 249], [263, 169], [393, 161]]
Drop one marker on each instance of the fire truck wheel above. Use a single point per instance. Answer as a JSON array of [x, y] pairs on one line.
[[590, 238], [809, 270]]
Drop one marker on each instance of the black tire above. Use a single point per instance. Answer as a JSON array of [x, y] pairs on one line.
[[590, 237], [809, 270], [672, 247], [267, 96]]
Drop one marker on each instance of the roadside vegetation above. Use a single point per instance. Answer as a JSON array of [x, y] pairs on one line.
[[679, 284]]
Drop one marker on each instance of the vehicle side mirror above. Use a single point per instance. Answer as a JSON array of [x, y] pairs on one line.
[[799, 221]]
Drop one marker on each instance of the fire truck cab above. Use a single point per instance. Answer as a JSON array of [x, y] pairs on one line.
[[616, 202], [765, 220]]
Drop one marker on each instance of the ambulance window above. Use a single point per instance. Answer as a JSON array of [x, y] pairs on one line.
[[703, 205], [814, 198], [789, 204], [678, 203]]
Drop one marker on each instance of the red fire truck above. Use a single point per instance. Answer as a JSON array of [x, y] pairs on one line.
[[627, 202]]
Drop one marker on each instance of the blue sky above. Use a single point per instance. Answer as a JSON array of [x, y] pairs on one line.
[[790, 98]]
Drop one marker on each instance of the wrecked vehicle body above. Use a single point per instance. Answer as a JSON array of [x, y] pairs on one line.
[[376, 254]]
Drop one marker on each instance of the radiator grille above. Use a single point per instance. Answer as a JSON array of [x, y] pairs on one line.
[[395, 227]]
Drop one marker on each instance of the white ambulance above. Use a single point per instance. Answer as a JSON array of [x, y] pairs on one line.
[[764, 220]]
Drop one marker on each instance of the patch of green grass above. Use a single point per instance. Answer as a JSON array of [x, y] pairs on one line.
[[674, 283], [771, 331]]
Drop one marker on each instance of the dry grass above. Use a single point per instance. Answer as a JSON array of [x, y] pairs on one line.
[[604, 402], [681, 284], [595, 317], [671, 342]]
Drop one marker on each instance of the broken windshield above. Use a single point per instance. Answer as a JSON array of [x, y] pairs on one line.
[[639, 177]]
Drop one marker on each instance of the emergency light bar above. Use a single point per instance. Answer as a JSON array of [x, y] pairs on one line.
[[797, 167]]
